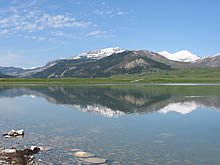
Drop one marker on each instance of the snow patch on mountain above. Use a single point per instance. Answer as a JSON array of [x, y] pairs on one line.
[[100, 110], [98, 54], [182, 56], [181, 107]]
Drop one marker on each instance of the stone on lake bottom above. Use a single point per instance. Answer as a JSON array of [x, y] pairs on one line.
[[81, 154], [8, 136], [76, 149], [8, 151], [45, 148], [95, 160], [40, 148], [34, 147], [115, 163]]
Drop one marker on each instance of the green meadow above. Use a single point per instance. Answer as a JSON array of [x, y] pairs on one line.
[[175, 76]]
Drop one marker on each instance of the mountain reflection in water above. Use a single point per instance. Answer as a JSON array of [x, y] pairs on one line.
[[116, 101]]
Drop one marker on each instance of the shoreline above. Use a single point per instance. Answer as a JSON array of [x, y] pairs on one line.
[[2, 85]]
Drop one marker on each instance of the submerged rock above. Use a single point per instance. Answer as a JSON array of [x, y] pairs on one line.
[[95, 160], [82, 154], [35, 148], [18, 157], [40, 148], [88, 158], [76, 149], [8, 151]]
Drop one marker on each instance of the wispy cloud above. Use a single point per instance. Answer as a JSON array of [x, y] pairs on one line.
[[24, 4], [28, 21], [59, 33], [36, 37], [121, 13], [37, 21], [3, 31], [97, 33], [24, 18], [111, 13]]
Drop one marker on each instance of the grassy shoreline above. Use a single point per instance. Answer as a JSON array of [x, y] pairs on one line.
[[106, 81], [176, 76]]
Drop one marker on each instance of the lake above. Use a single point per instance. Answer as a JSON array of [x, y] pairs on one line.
[[124, 125]]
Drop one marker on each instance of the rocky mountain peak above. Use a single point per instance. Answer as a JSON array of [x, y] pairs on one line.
[[98, 54], [182, 56]]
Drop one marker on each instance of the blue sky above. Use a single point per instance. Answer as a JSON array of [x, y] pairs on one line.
[[33, 32]]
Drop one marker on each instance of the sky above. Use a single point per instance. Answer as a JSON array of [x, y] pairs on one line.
[[33, 32]]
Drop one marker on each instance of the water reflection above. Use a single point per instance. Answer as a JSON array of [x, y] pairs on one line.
[[162, 138], [115, 101]]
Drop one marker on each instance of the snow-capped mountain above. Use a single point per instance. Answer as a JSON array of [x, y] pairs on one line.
[[88, 64], [94, 54], [98, 54], [182, 56], [100, 110], [180, 107]]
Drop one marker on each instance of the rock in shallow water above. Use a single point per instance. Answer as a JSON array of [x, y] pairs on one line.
[[20, 132], [8, 151], [76, 149], [18, 157], [95, 160], [14, 133], [40, 148], [81, 154]]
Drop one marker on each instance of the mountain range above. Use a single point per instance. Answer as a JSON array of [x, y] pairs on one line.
[[115, 102], [114, 61]]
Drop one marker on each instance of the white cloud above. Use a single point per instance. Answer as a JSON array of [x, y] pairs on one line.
[[121, 13], [96, 33], [59, 33], [99, 12], [27, 20], [17, 4], [69, 35], [4, 32], [111, 13], [32, 23], [62, 34], [37, 38], [36, 21]]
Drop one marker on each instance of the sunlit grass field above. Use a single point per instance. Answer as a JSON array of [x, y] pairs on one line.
[[175, 76]]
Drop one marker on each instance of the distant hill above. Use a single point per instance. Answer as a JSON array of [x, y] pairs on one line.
[[5, 76], [12, 71], [115, 61]]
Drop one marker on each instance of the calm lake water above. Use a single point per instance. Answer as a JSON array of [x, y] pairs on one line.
[[125, 125]]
